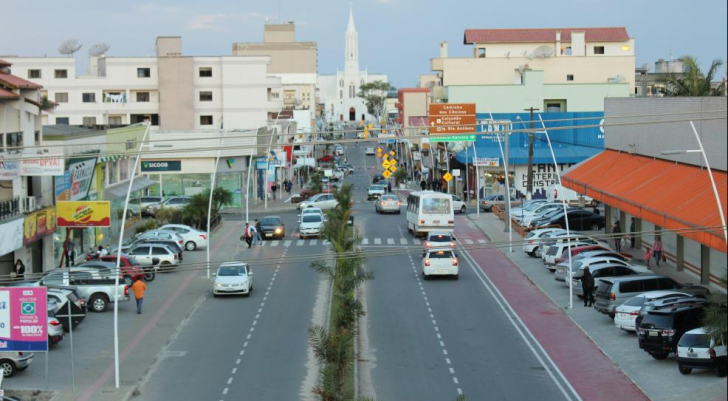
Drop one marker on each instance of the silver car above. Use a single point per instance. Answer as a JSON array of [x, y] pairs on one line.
[[55, 328], [232, 278], [11, 362], [388, 203]]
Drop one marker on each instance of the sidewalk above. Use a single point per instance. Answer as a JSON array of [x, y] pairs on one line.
[[659, 380], [259, 206]]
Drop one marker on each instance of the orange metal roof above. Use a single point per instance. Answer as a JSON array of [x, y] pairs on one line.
[[671, 195]]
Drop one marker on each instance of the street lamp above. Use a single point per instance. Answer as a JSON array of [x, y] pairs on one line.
[[710, 173]]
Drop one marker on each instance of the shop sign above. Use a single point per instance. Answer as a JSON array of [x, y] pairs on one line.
[[23, 319], [84, 214], [261, 164], [39, 224], [486, 161], [43, 166], [9, 168], [161, 166], [11, 236]]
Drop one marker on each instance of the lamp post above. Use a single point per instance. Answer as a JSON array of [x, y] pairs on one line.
[[507, 197], [710, 173], [270, 144], [212, 191]]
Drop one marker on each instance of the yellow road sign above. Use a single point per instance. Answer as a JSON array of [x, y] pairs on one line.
[[386, 174], [386, 156], [393, 168], [392, 153], [393, 161], [447, 177], [386, 164]]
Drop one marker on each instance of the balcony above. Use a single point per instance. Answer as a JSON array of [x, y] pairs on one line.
[[18, 205]]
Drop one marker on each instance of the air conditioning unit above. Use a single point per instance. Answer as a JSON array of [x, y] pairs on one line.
[[29, 204]]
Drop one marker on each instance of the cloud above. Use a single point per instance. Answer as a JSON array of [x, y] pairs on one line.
[[215, 22]]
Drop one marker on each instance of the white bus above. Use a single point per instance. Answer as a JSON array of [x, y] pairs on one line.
[[429, 211]]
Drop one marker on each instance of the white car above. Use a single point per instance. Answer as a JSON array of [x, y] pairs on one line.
[[440, 262], [625, 315], [458, 206], [699, 350], [530, 245], [339, 150], [388, 203], [554, 251], [232, 278], [310, 210], [146, 253], [439, 240], [174, 202], [528, 206], [311, 224], [192, 237], [370, 152], [525, 218], [375, 191], [321, 201]]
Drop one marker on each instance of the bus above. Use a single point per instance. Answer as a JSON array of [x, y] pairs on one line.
[[429, 211]]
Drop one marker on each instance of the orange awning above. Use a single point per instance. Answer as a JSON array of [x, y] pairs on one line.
[[671, 195]]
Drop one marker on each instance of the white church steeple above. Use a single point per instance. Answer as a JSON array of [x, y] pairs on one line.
[[352, 45]]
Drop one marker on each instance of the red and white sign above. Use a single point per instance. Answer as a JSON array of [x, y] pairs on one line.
[[23, 319], [43, 166]]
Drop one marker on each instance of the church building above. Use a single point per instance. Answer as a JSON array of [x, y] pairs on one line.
[[338, 92]]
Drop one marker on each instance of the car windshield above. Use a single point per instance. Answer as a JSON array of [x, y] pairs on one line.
[[376, 188], [533, 206], [436, 206], [636, 301], [227, 271], [695, 340], [312, 218], [440, 255], [270, 222], [440, 238]]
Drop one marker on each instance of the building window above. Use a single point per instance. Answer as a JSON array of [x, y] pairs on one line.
[[205, 96], [205, 120], [89, 121], [34, 74], [144, 72], [115, 120], [89, 97], [205, 72], [61, 74], [481, 52], [62, 120], [142, 97], [570, 77], [566, 51], [61, 97], [598, 49]]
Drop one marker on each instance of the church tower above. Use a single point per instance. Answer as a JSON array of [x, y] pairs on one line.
[[352, 46]]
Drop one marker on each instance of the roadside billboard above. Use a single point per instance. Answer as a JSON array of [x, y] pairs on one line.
[[83, 214], [23, 319], [75, 182], [49, 165], [39, 224]]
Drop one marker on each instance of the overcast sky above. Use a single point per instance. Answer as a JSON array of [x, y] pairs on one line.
[[396, 37]]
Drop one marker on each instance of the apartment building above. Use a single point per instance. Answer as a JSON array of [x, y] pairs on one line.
[[169, 90]]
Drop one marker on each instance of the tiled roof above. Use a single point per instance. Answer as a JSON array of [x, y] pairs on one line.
[[17, 82], [7, 95], [548, 35], [4, 63]]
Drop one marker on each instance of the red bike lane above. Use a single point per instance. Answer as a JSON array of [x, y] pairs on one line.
[[589, 371]]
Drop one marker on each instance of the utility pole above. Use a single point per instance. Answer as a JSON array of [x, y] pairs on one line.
[[529, 184]]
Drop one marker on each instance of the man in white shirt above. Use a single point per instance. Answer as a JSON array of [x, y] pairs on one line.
[[102, 252]]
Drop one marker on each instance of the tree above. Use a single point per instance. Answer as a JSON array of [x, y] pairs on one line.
[[692, 81], [400, 176], [715, 317], [220, 198], [374, 95]]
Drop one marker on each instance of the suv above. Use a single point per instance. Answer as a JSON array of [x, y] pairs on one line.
[[612, 292], [663, 327], [146, 253], [673, 300], [174, 202], [598, 271], [699, 350]]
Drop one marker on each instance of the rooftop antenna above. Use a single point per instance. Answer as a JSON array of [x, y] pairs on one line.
[[543, 51], [69, 47], [98, 49]]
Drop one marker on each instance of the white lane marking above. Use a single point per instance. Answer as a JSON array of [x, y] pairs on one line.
[[481, 241], [468, 241], [403, 241], [325, 242], [235, 370], [287, 242], [245, 345], [300, 242], [275, 243], [225, 391], [237, 362], [390, 241], [313, 242], [230, 380], [416, 241], [377, 241], [365, 241]]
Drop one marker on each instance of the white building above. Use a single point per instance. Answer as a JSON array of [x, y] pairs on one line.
[[338, 93]]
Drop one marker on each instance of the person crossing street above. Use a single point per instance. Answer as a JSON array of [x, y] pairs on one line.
[[139, 287]]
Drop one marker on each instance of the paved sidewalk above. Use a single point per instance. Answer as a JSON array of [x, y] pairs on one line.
[[660, 380]]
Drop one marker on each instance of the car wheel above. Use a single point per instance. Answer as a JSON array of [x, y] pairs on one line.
[[455, 277], [532, 253], [128, 280], [50, 341], [98, 303], [660, 356], [462, 210], [8, 368], [399, 212], [611, 315], [425, 276], [190, 246], [165, 267], [684, 370]]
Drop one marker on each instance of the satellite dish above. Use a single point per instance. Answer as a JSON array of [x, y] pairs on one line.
[[98, 49], [543, 51], [69, 47]]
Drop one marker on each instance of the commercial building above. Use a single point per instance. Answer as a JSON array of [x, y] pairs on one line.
[[27, 215], [653, 171]]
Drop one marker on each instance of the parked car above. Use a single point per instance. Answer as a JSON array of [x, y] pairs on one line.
[[311, 224], [55, 328], [439, 240], [534, 238], [556, 249], [388, 203], [129, 268], [145, 201], [173, 202], [697, 349], [376, 191], [326, 159], [192, 237], [458, 206], [525, 216], [339, 150], [321, 201], [11, 362], [271, 227], [578, 250], [68, 304], [232, 278], [161, 234], [486, 205], [145, 254], [594, 262], [625, 316], [662, 328], [528, 206], [370, 152], [614, 291], [441, 262], [338, 174], [599, 271], [578, 220], [546, 214], [660, 303], [174, 245]]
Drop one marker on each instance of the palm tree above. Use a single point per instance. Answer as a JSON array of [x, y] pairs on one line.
[[692, 81], [220, 197]]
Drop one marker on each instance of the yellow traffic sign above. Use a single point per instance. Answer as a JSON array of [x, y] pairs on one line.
[[393, 168], [386, 164], [392, 153], [393, 161], [386, 174], [386, 156], [447, 177]]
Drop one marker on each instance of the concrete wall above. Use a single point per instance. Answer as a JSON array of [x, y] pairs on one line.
[[176, 110], [651, 140], [415, 104]]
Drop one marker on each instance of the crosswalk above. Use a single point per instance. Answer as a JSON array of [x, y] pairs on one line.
[[374, 241]]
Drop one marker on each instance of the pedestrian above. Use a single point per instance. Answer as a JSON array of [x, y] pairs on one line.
[[139, 287], [18, 272], [465, 194], [430, 184], [70, 255], [617, 232], [657, 250], [273, 189], [256, 233], [247, 235], [423, 184], [102, 252], [587, 286], [389, 186], [632, 236], [289, 187], [648, 255]]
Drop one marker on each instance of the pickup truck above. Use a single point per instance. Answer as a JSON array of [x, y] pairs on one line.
[[95, 285]]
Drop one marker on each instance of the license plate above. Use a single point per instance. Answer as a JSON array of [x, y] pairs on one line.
[[269, 235], [654, 334], [442, 271], [692, 355]]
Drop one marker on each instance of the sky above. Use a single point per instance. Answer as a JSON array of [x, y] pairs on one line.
[[396, 37]]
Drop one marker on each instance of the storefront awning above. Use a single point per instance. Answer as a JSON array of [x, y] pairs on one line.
[[119, 190], [541, 155], [671, 195]]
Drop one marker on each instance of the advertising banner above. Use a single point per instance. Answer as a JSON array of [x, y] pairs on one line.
[[39, 224], [486, 161], [49, 165], [9, 168], [11, 236], [74, 184], [84, 214], [23, 319]]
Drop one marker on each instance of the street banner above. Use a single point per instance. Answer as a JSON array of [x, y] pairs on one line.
[[75, 182], [23, 319], [39, 224], [11, 236], [49, 165], [9, 168], [84, 214]]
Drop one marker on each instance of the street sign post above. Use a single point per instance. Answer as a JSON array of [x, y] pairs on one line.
[[447, 177], [386, 174], [452, 138], [386, 164]]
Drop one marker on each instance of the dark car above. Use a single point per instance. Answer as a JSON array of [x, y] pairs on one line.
[[660, 331], [271, 227], [67, 299], [578, 220], [377, 178], [672, 300], [130, 267]]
